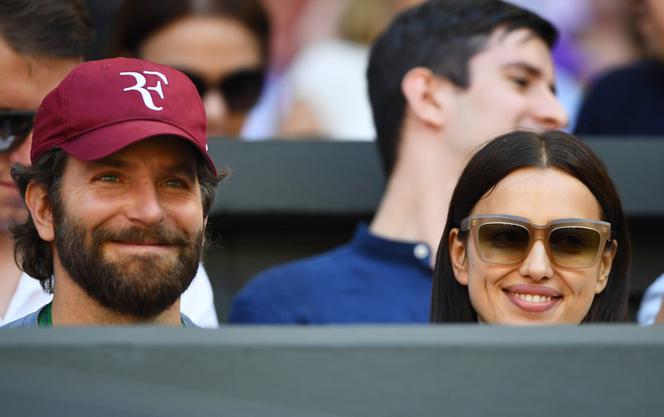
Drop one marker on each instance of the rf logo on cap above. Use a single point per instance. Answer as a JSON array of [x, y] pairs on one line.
[[143, 91]]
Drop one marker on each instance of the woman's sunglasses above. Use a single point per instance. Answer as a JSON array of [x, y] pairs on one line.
[[241, 89], [15, 125], [507, 240]]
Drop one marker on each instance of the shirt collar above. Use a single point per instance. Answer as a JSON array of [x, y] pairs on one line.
[[395, 250]]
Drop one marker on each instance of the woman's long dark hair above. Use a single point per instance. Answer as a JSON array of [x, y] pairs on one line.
[[522, 149]]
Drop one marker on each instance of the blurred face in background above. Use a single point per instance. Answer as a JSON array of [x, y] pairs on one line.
[[21, 89], [651, 23], [222, 57]]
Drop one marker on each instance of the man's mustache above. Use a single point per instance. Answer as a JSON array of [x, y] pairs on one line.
[[156, 235]]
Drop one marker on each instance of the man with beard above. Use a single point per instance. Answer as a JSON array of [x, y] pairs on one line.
[[118, 195], [40, 42]]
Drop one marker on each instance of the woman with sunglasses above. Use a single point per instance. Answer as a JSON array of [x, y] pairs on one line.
[[535, 234], [220, 44]]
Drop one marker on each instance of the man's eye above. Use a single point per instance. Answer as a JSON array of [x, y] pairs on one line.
[[108, 178], [175, 183], [521, 82]]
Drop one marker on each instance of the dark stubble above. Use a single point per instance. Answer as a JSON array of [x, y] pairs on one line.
[[140, 285]]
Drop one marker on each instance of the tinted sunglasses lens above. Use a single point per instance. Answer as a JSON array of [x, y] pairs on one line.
[[574, 246], [242, 89], [502, 243], [197, 81], [14, 128]]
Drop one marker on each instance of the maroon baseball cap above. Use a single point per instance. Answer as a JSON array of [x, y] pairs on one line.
[[103, 106]]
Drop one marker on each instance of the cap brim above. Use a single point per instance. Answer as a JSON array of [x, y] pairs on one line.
[[107, 140]]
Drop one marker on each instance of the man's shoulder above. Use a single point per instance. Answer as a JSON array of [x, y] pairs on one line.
[[26, 321], [273, 295], [187, 322], [313, 266], [639, 75], [303, 273]]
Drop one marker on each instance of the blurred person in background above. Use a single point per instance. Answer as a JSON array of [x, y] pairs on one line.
[[446, 76], [595, 36], [628, 100], [34, 57], [327, 81], [222, 45], [40, 42]]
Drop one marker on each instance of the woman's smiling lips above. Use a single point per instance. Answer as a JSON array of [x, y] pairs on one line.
[[532, 298]]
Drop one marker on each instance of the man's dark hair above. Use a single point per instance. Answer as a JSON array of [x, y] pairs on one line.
[[450, 301], [32, 254], [441, 35], [54, 28]]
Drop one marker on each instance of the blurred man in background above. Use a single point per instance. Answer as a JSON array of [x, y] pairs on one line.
[[40, 42], [444, 78]]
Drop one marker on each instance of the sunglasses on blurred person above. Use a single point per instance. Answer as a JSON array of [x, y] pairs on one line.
[[15, 126], [507, 240], [241, 89]]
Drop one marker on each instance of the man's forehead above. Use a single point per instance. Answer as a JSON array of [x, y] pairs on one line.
[[521, 47], [518, 35], [167, 152]]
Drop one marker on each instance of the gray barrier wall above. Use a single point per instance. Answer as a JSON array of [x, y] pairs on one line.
[[285, 200], [329, 371]]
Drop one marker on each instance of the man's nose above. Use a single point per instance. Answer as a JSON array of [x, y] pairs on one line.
[[144, 205], [548, 111], [537, 264], [216, 111]]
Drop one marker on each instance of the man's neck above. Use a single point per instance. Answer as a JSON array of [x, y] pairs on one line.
[[72, 306], [9, 272], [415, 203]]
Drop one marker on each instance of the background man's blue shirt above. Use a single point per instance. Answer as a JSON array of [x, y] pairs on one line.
[[368, 280]]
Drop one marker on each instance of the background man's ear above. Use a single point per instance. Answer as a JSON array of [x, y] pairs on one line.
[[36, 199], [458, 257], [426, 95]]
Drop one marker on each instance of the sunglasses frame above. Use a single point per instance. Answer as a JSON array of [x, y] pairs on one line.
[[543, 233], [21, 113]]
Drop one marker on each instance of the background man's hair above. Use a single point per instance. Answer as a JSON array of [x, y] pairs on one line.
[[32, 254], [441, 35], [55, 28]]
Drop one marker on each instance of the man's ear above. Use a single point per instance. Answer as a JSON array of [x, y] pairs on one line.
[[458, 257], [427, 96], [605, 266], [41, 211]]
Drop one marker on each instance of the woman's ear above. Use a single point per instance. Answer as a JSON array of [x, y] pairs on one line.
[[41, 210], [458, 257], [605, 266], [426, 96]]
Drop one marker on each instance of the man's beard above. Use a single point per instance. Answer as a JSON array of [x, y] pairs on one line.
[[139, 285]]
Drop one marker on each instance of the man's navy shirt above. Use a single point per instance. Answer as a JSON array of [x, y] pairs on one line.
[[368, 280]]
